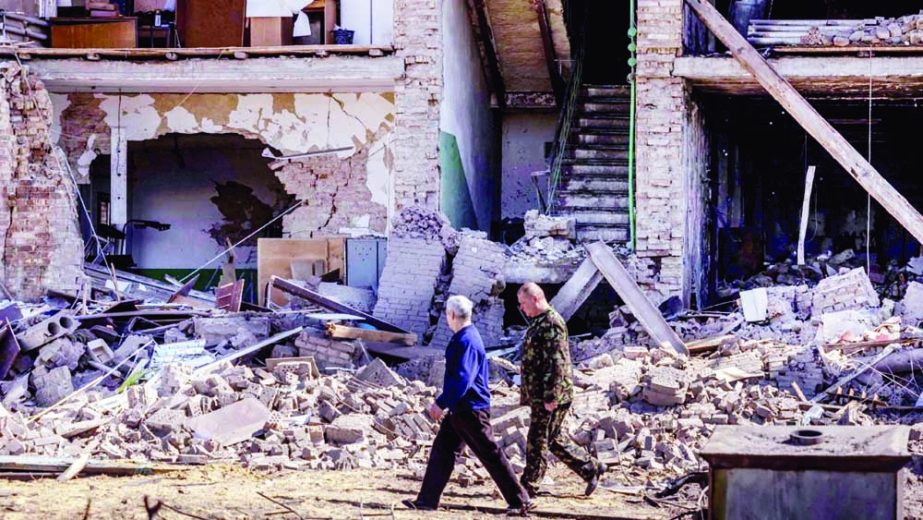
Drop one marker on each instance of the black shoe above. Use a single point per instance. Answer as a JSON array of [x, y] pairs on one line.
[[593, 482], [413, 504], [522, 510]]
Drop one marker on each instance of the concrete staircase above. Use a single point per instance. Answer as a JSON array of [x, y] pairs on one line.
[[594, 177]]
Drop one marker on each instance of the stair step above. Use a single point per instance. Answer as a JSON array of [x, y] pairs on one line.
[[600, 153], [604, 234], [596, 201], [595, 217], [605, 91], [594, 185], [603, 122], [601, 139], [615, 108], [595, 169]]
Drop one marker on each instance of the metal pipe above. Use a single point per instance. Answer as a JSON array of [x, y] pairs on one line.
[[632, 62]]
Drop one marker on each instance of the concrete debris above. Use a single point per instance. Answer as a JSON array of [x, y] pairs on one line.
[[542, 226]]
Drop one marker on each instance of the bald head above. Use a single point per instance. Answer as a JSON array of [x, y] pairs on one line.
[[532, 299]]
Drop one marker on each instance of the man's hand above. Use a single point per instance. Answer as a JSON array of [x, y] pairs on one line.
[[434, 411], [551, 406]]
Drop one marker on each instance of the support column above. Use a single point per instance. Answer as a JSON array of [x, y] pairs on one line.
[[660, 199], [118, 177]]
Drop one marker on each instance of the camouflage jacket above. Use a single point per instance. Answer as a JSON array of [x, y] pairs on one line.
[[546, 367]]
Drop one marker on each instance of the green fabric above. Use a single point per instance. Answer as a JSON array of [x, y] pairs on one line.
[[455, 199]]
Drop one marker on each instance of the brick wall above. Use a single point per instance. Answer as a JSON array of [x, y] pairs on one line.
[[41, 243], [661, 175], [418, 40], [335, 192], [477, 273], [408, 283]]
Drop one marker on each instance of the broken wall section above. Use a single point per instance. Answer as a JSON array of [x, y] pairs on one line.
[[350, 190], [39, 237]]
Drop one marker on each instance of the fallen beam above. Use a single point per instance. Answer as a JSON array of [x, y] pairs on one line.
[[578, 288], [343, 332], [805, 211], [319, 299], [642, 309], [813, 123], [54, 466]]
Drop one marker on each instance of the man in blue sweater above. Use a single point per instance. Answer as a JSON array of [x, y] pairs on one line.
[[465, 401]]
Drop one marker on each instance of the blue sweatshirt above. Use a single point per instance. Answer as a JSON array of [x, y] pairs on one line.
[[466, 373]]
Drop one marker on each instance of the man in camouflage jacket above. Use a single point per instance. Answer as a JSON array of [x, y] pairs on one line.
[[547, 388]]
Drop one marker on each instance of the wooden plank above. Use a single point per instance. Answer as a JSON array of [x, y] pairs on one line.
[[578, 288], [805, 210], [646, 313], [700, 346], [40, 463], [307, 294], [819, 128], [343, 332], [195, 52], [75, 468], [228, 297], [275, 256]]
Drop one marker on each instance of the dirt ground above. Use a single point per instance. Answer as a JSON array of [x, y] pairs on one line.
[[229, 492]]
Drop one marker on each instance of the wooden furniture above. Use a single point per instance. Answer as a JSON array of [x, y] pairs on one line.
[[326, 12], [270, 31], [211, 23], [94, 33]]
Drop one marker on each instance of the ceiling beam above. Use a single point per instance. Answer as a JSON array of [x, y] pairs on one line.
[[488, 48], [557, 82]]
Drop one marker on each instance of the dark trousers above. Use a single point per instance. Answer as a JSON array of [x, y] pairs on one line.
[[470, 428], [545, 435]]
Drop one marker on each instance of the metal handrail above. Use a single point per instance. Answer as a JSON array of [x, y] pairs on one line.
[[562, 134]]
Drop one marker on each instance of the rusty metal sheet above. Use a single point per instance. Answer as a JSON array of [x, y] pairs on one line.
[[9, 349], [228, 297]]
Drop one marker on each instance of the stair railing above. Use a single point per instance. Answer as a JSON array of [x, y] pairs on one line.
[[565, 121]]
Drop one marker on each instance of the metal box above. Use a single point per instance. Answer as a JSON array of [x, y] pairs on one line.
[[789, 472]]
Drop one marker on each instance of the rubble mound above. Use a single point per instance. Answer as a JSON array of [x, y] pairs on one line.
[[422, 223]]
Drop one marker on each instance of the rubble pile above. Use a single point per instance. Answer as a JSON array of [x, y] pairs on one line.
[[422, 223], [904, 30], [547, 239]]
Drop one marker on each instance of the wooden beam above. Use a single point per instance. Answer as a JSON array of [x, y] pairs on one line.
[[557, 82], [577, 289], [819, 128], [631, 294], [307, 294], [343, 332], [805, 210], [490, 49]]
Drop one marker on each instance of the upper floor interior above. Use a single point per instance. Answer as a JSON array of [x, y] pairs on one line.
[[813, 27]]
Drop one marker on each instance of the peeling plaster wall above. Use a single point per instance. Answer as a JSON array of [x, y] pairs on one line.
[[524, 138], [39, 237], [467, 115], [289, 123]]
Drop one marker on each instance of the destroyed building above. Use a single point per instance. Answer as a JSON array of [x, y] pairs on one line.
[[338, 170]]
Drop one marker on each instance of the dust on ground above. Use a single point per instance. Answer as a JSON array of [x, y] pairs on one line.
[[231, 492]]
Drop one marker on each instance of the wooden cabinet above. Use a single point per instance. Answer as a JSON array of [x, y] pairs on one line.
[[268, 31], [211, 23], [94, 33]]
